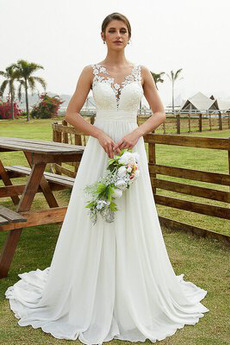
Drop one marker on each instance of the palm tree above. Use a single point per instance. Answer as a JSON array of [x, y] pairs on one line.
[[24, 72], [173, 77], [157, 77], [10, 76]]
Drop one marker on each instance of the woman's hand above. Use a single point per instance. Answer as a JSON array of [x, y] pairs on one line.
[[128, 141], [108, 144]]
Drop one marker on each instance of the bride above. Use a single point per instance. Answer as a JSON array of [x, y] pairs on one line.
[[110, 280]]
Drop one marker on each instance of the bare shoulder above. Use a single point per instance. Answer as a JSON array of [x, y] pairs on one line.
[[86, 75], [87, 70], [145, 71], [146, 75]]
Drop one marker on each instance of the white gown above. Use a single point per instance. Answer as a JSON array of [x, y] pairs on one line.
[[109, 280]]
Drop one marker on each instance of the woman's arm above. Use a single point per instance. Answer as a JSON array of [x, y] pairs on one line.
[[74, 117], [153, 98], [158, 117], [77, 101]]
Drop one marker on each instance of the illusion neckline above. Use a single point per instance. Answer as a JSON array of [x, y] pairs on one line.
[[113, 78]]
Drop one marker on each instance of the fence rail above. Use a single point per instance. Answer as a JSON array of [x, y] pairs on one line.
[[184, 122], [65, 133]]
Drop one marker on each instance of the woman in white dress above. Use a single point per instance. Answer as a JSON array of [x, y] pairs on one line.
[[110, 280]]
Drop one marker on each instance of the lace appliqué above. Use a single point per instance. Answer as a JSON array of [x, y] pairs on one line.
[[101, 75]]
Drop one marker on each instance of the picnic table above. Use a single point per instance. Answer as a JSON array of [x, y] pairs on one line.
[[38, 154]]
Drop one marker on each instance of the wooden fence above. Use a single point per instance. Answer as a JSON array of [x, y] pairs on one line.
[[64, 133], [184, 122]]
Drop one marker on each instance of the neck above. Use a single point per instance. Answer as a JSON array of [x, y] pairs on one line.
[[115, 58]]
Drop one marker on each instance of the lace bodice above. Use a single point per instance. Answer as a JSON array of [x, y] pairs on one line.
[[109, 95]]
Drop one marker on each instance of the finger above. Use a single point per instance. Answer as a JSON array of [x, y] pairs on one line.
[[118, 150], [111, 150], [117, 144], [122, 146]]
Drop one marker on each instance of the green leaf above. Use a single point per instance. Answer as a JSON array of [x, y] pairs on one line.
[[113, 206], [110, 192], [92, 203], [101, 187]]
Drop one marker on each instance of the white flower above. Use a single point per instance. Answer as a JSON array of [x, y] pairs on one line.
[[117, 193], [121, 184], [101, 204], [129, 169], [127, 158], [121, 172]]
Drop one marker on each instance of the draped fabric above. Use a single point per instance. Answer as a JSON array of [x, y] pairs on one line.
[[109, 280]]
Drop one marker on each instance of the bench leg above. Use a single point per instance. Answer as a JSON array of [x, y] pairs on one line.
[[26, 200], [48, 194], [7, 182]]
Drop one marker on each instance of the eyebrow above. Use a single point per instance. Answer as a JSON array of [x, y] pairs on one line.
[[120, 28]]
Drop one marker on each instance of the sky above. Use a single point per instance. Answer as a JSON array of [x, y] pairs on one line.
[[64, 36]]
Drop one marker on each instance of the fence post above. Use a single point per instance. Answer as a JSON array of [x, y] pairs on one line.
[[65, 135], [200, 122], [189, 122], [152, 161], [178, 123], [229, 162], [220, 121]]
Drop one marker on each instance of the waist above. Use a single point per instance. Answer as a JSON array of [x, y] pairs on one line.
[[116, 115]]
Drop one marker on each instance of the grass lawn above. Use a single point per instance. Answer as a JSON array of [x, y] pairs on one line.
[[204, 262]]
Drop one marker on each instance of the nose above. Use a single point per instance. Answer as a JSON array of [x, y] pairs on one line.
[[118, 34]]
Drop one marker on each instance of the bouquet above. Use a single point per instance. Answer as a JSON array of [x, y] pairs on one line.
[[121, 172]]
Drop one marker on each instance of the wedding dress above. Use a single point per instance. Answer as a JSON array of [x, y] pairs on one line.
[[109, 280]]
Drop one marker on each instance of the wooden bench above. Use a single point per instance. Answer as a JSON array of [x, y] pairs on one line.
[[62, 180], [8, 216]]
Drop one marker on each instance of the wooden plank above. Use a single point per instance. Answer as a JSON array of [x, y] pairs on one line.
[[3, 220], [173, 225], [39, 146], [63, 129], [40, 217], [189, 141], [210, 210], [54, 178], [61, 170], [51, 158], [11, 215], [192, 190], [11, 191], [199, 175]]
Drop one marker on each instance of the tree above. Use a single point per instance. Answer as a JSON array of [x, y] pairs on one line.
[[10, 75], [24, 72], [157, 77], [173, 77]]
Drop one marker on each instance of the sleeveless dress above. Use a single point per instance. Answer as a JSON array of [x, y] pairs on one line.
[[109, 280]]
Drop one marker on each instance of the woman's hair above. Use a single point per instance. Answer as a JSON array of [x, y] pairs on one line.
[[115, 16]]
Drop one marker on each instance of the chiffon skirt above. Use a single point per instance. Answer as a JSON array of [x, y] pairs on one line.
[[108, 280]]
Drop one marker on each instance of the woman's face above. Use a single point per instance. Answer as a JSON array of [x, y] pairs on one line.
[[116, 34]]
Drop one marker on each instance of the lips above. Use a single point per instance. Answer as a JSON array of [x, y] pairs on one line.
[[117, 42]]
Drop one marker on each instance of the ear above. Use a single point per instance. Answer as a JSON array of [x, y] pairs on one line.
[[102, 35]]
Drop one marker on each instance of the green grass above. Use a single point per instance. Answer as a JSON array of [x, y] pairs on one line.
[[204, 262]]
